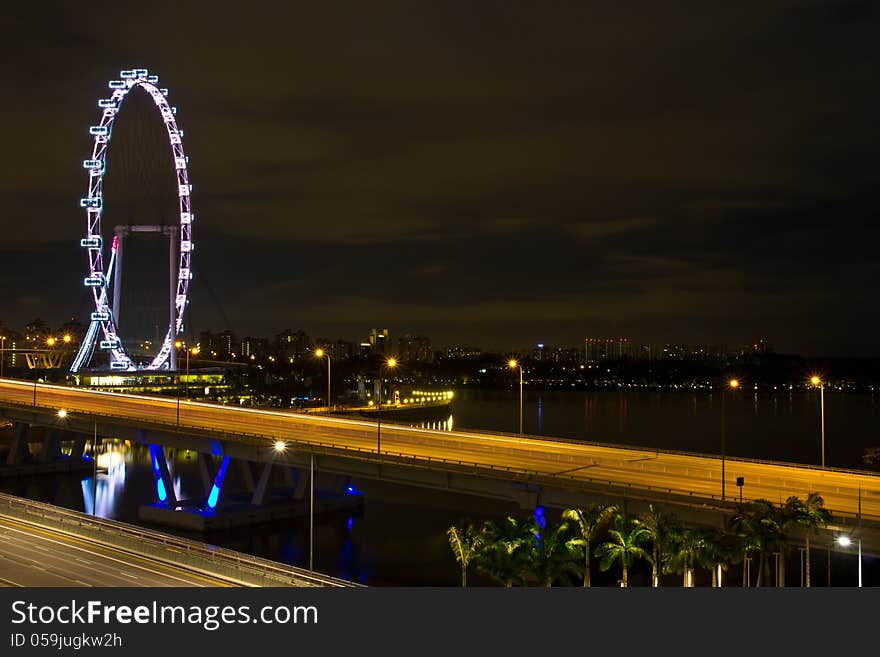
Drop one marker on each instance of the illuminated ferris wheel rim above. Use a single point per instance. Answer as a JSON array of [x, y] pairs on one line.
[[102, 319]]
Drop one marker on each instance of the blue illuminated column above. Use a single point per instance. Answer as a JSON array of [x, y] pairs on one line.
[[214, 497], [164, 489]]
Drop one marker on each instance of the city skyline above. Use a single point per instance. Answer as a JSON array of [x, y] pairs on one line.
[[555, 178]]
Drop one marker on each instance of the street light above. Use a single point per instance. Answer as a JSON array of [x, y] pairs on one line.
[[816, 381], [513, 364], [391, 363], [846, 541], [733, 384], [320, 353]]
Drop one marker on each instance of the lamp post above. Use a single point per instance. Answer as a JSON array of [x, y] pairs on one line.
[[391, 363], [733, 384], [514, 364], [816, 381], [2, 353], [320, 353], [846, 541], [95, 470]]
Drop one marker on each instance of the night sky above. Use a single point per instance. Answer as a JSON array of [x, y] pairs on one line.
[[489, 173]]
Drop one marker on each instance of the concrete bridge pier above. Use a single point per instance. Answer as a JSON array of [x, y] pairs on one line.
[[241, 492], [19, 451], [20, 461]]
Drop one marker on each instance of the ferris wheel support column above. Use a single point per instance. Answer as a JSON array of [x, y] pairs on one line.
[[117, 278], [172, 295]]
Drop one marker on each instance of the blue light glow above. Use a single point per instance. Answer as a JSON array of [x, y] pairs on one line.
[[218, 484], [540, 518], [157, 473]]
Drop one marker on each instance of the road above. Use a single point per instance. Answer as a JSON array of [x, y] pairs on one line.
[[564, 462], [37, 556]]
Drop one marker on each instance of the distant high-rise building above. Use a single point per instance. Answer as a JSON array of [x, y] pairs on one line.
[[337, 349], [226, 344], [414, 348], [463, 351], [293, 344], [599, 349], [36, 331], [380, 341]]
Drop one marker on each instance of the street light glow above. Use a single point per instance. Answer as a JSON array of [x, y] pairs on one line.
[[392, 362], [512, 363], [280, 446], [815, 380], [67, 338], [62, 413], [844, 541], [733, 383], [319, 353], [50, 342], [178, 344]]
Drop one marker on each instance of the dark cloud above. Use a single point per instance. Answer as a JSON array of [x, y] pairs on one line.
[[491, 172]]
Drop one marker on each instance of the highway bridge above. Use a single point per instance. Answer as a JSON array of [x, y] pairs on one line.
[[45, 545], [517, 467]]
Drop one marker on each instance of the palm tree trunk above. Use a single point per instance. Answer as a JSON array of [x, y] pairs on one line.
[[780, 577], [760, 570], [807, 557], [655, 579], [625, 583], [714, 576], [463, 577], [587, 565]]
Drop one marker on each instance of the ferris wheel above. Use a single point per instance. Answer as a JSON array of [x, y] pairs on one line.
[[104, 272]]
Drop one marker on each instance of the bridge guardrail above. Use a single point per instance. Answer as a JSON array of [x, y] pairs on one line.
[[201, 557]]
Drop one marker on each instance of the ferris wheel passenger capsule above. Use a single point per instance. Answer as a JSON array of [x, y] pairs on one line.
[[100, 130], [141, 72], [100, 317], [153, 79], [164, 91], [106, 103], [128, 74], [95, 165], [93, 281], [90, 202], [90, 242], [116, 84]]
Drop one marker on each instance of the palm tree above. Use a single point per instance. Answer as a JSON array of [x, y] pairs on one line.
[[687, 547], [466, 543], [589, 523], [508, 550], [626, 537], [720, 548], [810, 514], [758, 525], [556, 551], [660, 527]]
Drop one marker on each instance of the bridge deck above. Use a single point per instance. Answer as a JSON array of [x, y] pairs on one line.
[[563, 463]]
